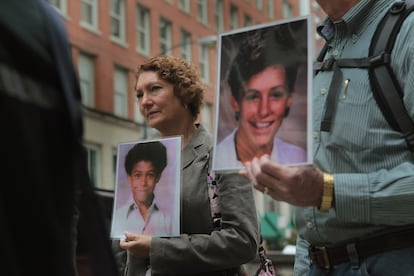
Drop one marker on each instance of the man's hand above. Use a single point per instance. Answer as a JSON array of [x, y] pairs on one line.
[[297, 185]]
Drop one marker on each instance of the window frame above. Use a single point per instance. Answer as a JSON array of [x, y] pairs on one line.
[[143, 27], [86, 68], [60, 5], [165, 42], [219, 15], [202, 11], [204, 65], [93, 4], [94, 163], [234, 17], [184, 5], [118, 17], [185, 44], [120, 93]]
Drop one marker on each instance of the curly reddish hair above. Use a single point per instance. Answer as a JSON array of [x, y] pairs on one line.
[[184, 77]]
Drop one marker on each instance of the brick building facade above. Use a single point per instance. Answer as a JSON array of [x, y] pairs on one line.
[[110, 39]]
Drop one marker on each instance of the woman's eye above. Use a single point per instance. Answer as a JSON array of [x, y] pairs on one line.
[[155, 88], [139, 96]]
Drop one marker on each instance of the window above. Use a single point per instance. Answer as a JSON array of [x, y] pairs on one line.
[[234, 17], [247, 20], [206, 116], [184, 5], [121, 92], [185, 45], [143, 30], [165, 36], [270, 9], [204, 65], [93, 163], [86, 70], [89, 14], [259, 4], [202, 11], [60, 5], [304, 7], [286, 9], [118, 19], [218, 14]]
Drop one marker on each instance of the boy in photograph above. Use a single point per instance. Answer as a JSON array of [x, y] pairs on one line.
[[144, 165], [261, 79]]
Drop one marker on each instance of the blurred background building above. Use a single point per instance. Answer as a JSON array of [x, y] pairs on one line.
[[109, 39]]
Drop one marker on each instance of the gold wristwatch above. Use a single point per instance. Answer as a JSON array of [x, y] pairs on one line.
[[328, 192]]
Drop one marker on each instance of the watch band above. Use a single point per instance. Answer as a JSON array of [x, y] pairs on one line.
[[328, 192]]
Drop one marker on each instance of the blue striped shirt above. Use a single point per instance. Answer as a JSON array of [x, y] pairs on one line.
[[372, 167]]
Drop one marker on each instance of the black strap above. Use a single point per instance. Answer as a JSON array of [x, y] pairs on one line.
[[332, 100], [386, 88], [328, 64]]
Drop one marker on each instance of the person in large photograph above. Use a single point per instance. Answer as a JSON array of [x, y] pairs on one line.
[[144, 165], [261, 79], [170, 95]]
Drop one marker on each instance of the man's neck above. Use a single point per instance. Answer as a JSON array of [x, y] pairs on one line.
[[336, 9], [246, 151]]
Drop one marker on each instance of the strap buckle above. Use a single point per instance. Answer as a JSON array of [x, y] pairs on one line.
[[319, 256], [380, 59], [327, 64], [409, 137]]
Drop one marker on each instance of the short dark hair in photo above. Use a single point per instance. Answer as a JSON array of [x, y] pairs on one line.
[[258, 49], [154, 152]]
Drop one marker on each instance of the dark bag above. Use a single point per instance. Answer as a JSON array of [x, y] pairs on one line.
[[265, 267]]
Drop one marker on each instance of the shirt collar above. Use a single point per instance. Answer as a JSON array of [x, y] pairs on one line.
[[359, 15], [133, 206]]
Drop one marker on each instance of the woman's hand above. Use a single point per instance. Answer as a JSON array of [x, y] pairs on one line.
[[137, 245]]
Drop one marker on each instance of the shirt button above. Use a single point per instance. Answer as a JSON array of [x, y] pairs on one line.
[[354, 37], [309, 225], [315, 135], [324, 91], [335, 52]]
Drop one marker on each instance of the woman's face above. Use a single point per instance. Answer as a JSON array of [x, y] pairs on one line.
[[157, 102], [142, 182], [263, 106]]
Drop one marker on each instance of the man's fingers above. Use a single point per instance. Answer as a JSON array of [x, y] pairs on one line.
[[248, 172]]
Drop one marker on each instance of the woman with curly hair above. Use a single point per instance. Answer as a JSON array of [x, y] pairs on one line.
[[170, 94]]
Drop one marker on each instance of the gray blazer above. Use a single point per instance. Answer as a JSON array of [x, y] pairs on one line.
[[201, 250]]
